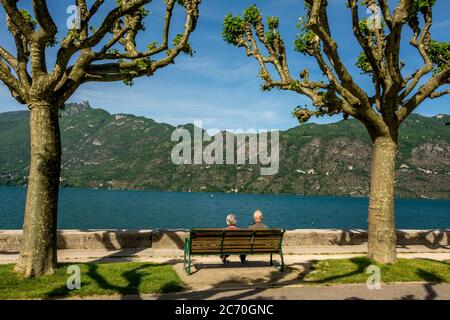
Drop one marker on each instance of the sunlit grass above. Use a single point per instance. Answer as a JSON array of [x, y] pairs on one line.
[[125, 278], [354, 270]]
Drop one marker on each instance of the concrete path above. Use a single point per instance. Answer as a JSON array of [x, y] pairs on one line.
[[397, 291], [150, 254], [255, 279]]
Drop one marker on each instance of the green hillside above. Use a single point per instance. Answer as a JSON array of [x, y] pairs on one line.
[[101, 150]]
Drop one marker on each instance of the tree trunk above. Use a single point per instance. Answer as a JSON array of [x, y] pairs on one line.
[[38, 252], [382, 235]]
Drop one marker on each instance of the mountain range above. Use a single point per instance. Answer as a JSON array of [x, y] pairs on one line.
[[123, 151]]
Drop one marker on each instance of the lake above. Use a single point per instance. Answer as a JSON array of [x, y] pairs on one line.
[[127, 209]]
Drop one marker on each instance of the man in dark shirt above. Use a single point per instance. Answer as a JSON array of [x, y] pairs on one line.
[[258, 218], [256, 225]]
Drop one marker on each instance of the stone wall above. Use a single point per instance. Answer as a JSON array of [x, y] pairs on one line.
[[85, 239], [174, 239]]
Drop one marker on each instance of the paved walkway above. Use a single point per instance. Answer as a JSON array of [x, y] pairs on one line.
[[303, 252], [257, 280], [397, 291]]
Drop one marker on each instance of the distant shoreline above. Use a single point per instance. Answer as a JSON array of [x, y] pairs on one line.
[[225, 192]]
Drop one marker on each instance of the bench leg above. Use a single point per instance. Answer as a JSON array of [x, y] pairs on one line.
[[184, 261], [187, 264], [282, 261], [271, 260]]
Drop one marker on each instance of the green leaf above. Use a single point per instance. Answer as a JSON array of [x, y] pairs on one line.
[[305, 39], [28, 18], [233, 28], [252, 15], [439, 53], [363, 63], [187, 49]]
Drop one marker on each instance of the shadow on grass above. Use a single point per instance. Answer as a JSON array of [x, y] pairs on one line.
[[361, 264], [254, 288], [241, 287], [134, 278], [431, 279]]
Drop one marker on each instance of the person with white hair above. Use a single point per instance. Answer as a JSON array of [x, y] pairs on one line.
[[258, 221], [231, 222], [231, 225], [256, 225]]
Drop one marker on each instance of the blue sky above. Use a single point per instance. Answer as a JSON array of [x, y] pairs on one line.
[[219, 85]]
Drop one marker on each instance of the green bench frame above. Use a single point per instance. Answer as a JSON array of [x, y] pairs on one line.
[[204, 242]]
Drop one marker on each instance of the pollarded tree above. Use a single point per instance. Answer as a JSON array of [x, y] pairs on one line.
[[107, 53], [381, 109]]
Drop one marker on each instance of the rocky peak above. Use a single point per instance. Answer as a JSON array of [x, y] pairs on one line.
[[74, 108]]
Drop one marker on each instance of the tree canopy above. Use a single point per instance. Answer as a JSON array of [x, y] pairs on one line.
[[396, 94], [86, 53]]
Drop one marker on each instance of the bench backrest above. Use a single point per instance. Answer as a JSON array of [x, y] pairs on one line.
[[220, 241]]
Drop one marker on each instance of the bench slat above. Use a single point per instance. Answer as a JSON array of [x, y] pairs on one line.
[[231, 242], [217, 241]]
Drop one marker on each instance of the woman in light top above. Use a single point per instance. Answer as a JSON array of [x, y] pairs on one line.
[[231, 225], [231, 222]]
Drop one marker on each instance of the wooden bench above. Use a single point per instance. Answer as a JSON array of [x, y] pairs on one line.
[[233, 242]]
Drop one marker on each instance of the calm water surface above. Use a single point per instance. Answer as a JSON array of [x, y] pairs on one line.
[[93, 209]]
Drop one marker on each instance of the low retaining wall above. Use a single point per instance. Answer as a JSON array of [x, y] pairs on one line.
[[10, 240]]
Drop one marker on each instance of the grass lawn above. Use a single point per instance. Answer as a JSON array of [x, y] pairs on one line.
[[96, 279], [353, 270]]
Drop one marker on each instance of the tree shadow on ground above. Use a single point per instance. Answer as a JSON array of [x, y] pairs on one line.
[[431, 279], [199, 266], [121, 243], [432, 239], [360, 262], [239, 287], [251, 287], [133, 278], [246, 286], [242, 288], [172, 234]]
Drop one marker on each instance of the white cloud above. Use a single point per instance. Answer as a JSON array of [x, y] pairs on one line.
[[441, 24]]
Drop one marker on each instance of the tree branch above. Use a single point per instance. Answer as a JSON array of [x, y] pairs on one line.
[[318, 23], [48, 27], [12, 83], [420, 43], [427, 90], [364, 43], [68, 48], [138, 63], [17, 18], [8, 57], [22, 54]]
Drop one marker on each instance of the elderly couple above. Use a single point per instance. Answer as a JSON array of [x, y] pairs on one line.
[[231, 225]]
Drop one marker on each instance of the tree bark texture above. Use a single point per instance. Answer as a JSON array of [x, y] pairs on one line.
[[382, 235], [38, 253]]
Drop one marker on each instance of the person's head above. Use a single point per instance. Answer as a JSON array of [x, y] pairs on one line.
[[258, 216], [231, 220]]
